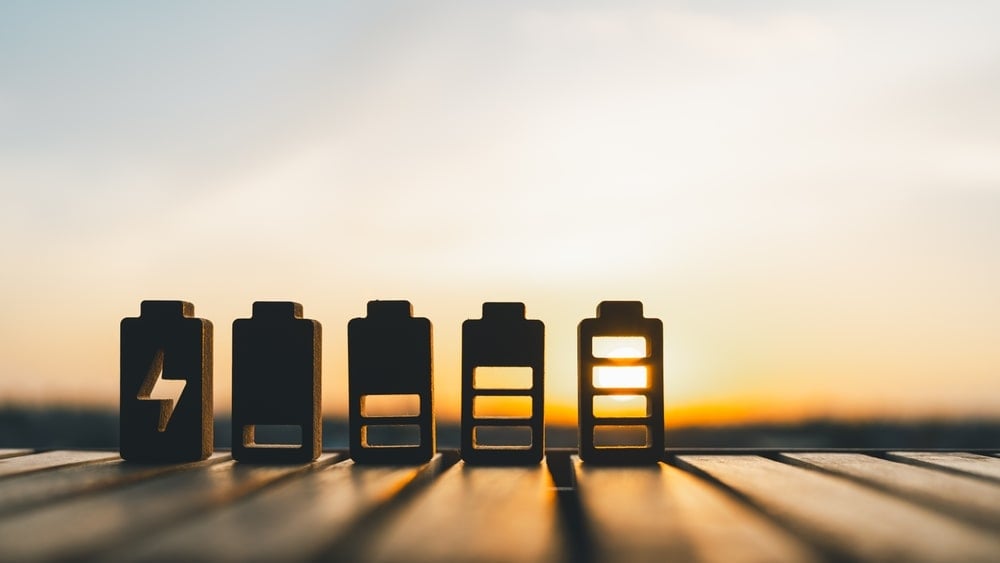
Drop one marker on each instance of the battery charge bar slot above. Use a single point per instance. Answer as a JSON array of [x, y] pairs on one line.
[[390, 405], [621, 436], [619, 347], [621, 406], [502, 377], [486, 406], [272, 436], [502, 437], [390, 436]]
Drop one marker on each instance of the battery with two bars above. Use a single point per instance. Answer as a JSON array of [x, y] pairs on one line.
[[390, 384]]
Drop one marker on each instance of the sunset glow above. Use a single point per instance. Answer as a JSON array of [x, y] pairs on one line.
[[807, 195]]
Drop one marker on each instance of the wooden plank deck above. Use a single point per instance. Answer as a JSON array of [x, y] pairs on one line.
[[721, 506], [845, 519], [971, 464], [11, 452]]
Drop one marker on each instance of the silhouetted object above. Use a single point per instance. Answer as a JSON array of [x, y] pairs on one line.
[[491, 346], [276, 384], [390, 377], [165, 342], [626, 378]]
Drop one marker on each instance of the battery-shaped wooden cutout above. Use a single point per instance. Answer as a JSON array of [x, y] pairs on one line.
[[276, 385], [621, 385], [390, 384], [166, 384], [503, 387]]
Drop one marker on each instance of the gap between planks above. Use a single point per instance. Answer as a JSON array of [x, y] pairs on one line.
[[659, 511], [247, 511], [12, 452], [847, 519], [297, 519], [973, 500], [471, 514], [977, 465], [27, 490], [42, 461], [81, 527]]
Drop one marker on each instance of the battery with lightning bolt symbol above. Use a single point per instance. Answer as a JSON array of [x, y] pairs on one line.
[[166, 384]]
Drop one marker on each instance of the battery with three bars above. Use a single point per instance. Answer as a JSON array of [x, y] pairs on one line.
[[503, 391]]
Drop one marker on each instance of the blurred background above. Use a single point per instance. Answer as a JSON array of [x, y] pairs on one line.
[[807, 194]]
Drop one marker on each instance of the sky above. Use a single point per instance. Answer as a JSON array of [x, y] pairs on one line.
[[807, 194]]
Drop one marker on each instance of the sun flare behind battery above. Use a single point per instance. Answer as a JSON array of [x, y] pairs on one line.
[[623, 376]]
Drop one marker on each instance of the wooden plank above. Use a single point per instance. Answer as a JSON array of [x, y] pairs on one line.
[[48, 460], [470, 513], [86, 525], [10, 452], [971, 464], [659, 512], [971, 499], [294, 520], [849, 520], [21, 492]]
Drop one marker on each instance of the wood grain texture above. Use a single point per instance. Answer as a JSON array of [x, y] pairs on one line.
[[847, 519], [974, 500], [473, 513], [294, 520], [800, 506], [49, 460], [971, 464], [21, 492], [11, 452], [660, 513], [82, 527]]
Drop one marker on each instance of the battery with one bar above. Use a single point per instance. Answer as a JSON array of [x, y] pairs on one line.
[[276, 385]]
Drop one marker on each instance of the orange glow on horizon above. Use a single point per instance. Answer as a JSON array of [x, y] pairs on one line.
[[671, 155]]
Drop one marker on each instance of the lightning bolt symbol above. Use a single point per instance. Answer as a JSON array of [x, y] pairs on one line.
[[166, 391]]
